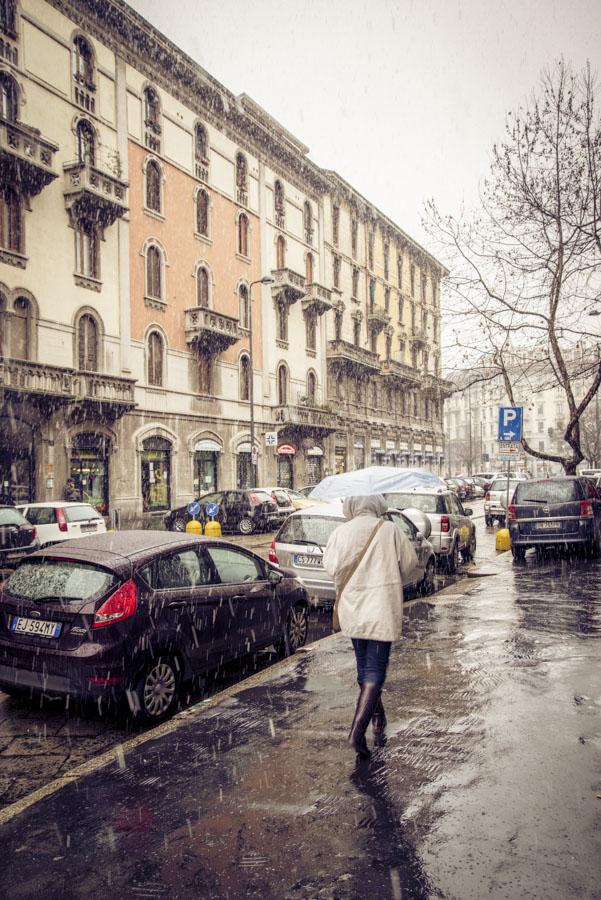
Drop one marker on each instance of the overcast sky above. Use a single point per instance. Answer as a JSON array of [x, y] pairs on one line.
[[404, 99]]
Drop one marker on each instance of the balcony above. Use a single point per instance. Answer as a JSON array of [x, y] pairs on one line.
[[437, 388], [288, 286], [94, 194], [377, 318], [108, 395], [306, 419], [25, 158], [32, 382], [419, 336], [343, 355], [318, 299], [211, 331], [398, 370]]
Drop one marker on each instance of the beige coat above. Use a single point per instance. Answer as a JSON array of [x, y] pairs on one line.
[[371, 603]]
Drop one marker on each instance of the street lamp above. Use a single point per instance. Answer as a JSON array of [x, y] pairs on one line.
[[267, 279]]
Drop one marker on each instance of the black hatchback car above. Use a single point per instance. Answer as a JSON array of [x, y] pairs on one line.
[[135, 614], [554, 512], [239, 510], [17, 536]]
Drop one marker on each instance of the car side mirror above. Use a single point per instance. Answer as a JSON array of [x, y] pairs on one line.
[[468, 511], [274, 577], [419, 538]]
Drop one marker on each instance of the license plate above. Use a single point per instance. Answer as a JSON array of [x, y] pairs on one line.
[[302, 559], [548, 526], [88, 527], [37, 627]]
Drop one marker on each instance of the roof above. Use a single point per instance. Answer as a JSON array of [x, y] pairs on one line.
[[113, 547], [54, 504]]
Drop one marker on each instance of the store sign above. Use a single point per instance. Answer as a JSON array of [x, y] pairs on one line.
[[207, 446], [417, 448], [404, 447], [286, 450], [428, 448], [315, 451]]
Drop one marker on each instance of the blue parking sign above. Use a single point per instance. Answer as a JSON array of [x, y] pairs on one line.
[[510, 423], [193, 508], [212, 509]]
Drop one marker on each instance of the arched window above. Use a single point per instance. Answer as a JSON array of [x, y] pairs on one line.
[[202, 213], [309, 268], [152, 110], [9, 98], [280, 253], [279, 203], [202, 287], [83, 62], [282, 385], [87, 344], [10, 220], [86, 143], [241, 172], [154, 286], [310, 332], [201, 143], [282, 321], [311, 388], [153, 186], [155, 359], [156, 474], [244, 377], [243, 235], [8, 17], [86, 250], [244, 304], [20, 331], [308, 222]]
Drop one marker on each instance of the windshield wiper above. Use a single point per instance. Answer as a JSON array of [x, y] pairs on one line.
[[62, 598], [309, 543], [538, 500]]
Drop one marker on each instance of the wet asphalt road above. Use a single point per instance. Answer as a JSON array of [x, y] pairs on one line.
[[489, 785]]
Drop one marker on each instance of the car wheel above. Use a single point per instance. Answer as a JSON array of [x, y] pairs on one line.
[[178, 524], [246, 525], [427, 583], [518, 552], [488, 521], [297, 626], [155, 694], [453, 559], [470, 551]]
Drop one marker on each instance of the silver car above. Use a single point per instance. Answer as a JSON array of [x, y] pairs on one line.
[[299, 544], [453, 532], [495, 499]]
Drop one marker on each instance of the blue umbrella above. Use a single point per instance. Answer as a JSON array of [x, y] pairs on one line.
[[374, 480]]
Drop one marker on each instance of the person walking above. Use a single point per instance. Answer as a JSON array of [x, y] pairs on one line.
[[368, 558]]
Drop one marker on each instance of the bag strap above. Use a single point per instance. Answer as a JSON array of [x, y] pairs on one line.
[[358, 563]]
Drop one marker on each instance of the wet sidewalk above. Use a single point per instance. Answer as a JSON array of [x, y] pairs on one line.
[[489, 785]]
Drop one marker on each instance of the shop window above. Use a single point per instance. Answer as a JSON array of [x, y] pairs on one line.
[[282, 385], [89, 469], [311, 388], [244, 306], [243, 235], [308, 222], [10, 220], [83, 63], [280, 253], [286, 470], [86, 143], [206, 466], [153, 186], [202, 287], [244, 378], [154, 286], [156, 474], [309, 268], [20, 329], [310, 332], [87, 250], [202, 213], [9, 98], [87, 344], [155, 359], [8, 17]]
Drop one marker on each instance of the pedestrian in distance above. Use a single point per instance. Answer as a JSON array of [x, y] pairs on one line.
[[70, 492], [368, 558]]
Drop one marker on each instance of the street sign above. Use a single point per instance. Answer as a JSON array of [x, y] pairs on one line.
[[271, 438], [212, 509], [509, 449], [510, 423], [194, 508]]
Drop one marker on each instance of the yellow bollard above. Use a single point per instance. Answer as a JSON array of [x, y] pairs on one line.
[[503, 540], [193, 527], [213, 528]]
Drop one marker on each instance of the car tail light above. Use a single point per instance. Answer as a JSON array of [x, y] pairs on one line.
[[119, 606], [34, 532], [487, 496], [511, 513], [445, 524], [272, 554], [255, 499], [62, 521], [586, 509]]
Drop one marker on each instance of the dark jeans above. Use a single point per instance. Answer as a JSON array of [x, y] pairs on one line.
[[372, 660]]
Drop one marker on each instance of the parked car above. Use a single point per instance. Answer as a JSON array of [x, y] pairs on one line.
[[476, 491], [299, 544], [58, 520], [136, 614], [305, 491], [495, 500], [453, 532], [486, 477], [281, 497], [555, 511], [301, 501], [18, 537], [244, 511], [459, 487]]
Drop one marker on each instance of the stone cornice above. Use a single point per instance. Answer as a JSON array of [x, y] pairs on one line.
[[134, 39]]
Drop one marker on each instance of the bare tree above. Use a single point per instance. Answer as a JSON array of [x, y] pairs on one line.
[[526, 267]]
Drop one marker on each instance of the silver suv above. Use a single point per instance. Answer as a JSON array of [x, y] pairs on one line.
[[453, 532], [495, 499], [299, 544]]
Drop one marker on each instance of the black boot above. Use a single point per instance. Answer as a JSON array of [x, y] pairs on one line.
[[378, 719], [363, 713]]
